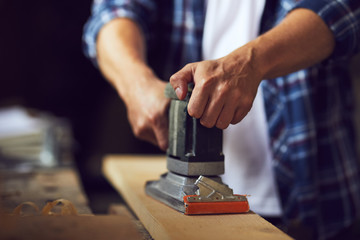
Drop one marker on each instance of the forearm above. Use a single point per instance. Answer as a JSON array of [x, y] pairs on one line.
[[121, 55], [300, 41], [121, 58]]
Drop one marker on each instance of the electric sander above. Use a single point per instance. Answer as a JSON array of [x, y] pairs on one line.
[[194, 161]]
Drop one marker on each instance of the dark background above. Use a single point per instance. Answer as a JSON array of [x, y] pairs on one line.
[[43, 67]]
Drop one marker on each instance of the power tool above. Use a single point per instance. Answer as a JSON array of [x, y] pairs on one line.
[[194, 160]]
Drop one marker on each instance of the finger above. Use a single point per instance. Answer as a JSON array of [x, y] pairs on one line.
[[238, 116], [180, 80], [211, 112], [225, 117], [147, 135], [161, 133], [142, 130], [198, 101]]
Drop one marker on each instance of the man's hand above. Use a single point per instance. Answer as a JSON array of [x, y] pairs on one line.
[[224, 88]]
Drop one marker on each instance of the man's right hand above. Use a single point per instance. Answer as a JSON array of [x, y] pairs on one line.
[[121, 58]]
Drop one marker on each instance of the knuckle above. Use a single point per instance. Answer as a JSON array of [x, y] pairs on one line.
[[222, 91], [173, 78], [137, 126], [188, 65], [192, 112], [206, 123], [138, 131], [142, 126], [154, 119], [207, 82], [151, 118]]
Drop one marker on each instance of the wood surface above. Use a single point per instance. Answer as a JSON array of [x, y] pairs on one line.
[[40, 186], [100, 227], [129, 173], [119, 209], [47, 184]]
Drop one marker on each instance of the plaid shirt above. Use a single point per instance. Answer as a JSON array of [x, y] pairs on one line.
[[309, 112]]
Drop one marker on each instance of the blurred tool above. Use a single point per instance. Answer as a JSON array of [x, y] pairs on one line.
[[30, 138]]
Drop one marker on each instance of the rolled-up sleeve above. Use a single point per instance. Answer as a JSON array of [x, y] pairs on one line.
[[103, 11], [343, 19]]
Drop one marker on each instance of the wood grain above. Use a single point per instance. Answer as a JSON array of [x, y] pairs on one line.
[[129, 173]]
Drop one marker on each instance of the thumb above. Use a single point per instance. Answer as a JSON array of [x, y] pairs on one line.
[[180, 80]]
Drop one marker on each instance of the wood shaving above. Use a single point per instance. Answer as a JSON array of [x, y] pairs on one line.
[[18, 210], [67, 208]]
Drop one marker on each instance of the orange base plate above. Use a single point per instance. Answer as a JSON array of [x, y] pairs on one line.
[[192, 208]]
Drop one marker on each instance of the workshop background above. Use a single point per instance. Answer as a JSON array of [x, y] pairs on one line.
[[43, 68]]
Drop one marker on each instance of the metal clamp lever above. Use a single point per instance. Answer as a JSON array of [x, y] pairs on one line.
[[212, 191]]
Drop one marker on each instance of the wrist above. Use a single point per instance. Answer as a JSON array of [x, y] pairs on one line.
[[249, 59], [264, 60], [132, 79]]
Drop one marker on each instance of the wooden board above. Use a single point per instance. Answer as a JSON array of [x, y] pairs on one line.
[[129, 173]]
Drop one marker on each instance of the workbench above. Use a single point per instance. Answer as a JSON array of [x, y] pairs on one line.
[[43, 185], [128, 174]]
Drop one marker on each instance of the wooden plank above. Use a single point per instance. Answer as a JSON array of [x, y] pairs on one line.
[[68, 227], [129, 173]]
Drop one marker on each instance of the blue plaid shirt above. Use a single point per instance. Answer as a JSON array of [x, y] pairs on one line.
[[309, 112]]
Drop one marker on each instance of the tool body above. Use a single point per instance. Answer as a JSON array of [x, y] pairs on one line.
[[194, 161]]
